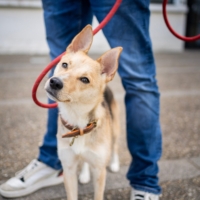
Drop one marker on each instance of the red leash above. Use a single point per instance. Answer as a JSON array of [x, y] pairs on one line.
[[56, 60], [101, 25], [187, 39]]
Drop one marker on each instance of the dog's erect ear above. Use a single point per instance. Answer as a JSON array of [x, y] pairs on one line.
[[82, 41], [109, 62]]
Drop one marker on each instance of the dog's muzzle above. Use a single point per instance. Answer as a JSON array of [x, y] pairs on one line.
[[55, 83], [53, 87]]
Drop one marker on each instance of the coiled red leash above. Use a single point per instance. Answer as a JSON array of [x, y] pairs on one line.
[[56, 60], [101, 25], [187, 39]]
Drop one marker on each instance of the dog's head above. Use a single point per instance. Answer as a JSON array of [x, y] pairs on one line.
[[77, 77]]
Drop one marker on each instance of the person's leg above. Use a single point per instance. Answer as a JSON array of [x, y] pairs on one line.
[[63, 20], [129, 28]]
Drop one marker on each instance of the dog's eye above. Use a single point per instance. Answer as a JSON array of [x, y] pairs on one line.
[[64, 65], [84, 80]]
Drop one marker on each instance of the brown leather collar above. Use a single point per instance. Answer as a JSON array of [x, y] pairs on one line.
[[77, 131]]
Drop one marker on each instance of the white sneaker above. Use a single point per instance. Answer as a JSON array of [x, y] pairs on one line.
[[140, 195], [35, 176]]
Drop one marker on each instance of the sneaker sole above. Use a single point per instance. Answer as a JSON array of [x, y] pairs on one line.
[[33, 188]]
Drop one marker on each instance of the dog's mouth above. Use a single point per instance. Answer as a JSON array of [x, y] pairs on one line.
[[54, 96], [51, 95]]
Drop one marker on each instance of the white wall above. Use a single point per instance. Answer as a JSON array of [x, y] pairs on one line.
[[162, 38], [22, 31]]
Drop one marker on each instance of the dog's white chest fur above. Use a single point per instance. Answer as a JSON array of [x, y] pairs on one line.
[[79, 146]]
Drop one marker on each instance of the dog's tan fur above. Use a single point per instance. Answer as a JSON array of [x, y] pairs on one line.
[[79, 103]]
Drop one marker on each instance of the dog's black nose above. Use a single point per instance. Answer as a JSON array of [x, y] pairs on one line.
[[56, 83]]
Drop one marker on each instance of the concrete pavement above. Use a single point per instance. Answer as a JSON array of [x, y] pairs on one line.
[[22, 125]]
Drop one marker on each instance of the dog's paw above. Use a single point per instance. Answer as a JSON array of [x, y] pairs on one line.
[[114, 164], [84, 176], [114, 167]]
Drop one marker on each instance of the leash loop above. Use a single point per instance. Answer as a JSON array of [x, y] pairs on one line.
[[187, 39]]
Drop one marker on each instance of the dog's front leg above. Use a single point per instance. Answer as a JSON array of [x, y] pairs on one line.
[[70, 180], [99, 175], [69, 164]]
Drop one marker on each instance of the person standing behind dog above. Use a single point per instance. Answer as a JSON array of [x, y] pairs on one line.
[[128, 28]]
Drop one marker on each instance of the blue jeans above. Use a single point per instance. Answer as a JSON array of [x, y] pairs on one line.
[[128, 28]]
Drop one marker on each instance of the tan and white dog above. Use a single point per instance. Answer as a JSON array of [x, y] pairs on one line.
[[88, 113]]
